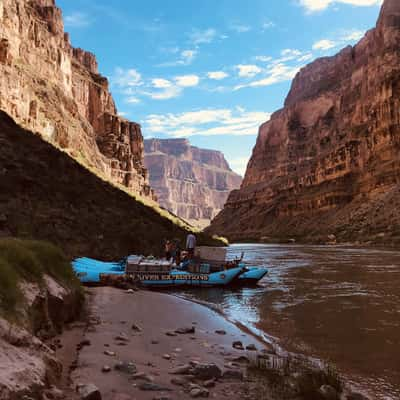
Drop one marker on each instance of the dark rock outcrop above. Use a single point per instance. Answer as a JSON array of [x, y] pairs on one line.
[[192, 183], [51, 88], [329, 161]]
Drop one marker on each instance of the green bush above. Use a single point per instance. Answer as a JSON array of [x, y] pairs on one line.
[[23, 260], [53, 261], [30, 260], [9, 291]]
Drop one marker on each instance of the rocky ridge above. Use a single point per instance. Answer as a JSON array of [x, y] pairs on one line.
[[190, 182], [56, 90], [327, 165]]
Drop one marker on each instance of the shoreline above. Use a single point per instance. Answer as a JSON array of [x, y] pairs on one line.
[[261, 336], [138, 330]]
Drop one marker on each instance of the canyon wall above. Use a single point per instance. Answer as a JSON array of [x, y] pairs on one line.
[[190, 182], [53, 89], [327, 165]]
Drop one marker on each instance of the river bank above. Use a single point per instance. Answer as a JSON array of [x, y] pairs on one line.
[[140, 344], [131, 347]]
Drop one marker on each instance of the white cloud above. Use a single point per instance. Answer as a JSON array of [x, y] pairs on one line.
[[127, 78], [209, 122], [267, 25], [164, 94], [324, 44], [240, 28], [187, 80], [203, 36], [248, 70], [275, 74], [160, 83], [164, 89], [186, 57], [217, 75], [77, 20], [290, 54], [263, 58], [354, 35], [305, 57], [132, 100], [342, 39], [319, 5]]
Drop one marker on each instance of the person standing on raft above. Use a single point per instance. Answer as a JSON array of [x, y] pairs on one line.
[[190, 244]]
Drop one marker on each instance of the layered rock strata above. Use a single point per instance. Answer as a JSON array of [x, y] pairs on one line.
[[190, 182], [53, 89], [328, 163]]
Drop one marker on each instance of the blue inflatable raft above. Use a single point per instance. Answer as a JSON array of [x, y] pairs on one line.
[[92, 271]]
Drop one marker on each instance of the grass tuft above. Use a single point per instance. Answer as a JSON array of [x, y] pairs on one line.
[[23, 260], [9, 291], [289, 377], [30, 260]]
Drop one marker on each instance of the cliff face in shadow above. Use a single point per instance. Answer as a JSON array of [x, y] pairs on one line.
[[328, 163], [46, 195], [51, 88], [192, 183]]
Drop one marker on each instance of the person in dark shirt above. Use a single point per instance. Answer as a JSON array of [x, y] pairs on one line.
[[168, 250]]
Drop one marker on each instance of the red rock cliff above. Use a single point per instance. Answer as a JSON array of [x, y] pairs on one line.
[[328, 163], [57, 91], [193, 183]]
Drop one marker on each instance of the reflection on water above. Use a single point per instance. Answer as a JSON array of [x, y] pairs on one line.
[[339, 304]]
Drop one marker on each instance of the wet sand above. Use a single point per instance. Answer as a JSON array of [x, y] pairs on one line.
[[114, 311]]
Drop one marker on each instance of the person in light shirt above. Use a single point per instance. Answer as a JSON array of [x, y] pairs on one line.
[[190, 244]]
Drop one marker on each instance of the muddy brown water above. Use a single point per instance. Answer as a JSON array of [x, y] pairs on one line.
[[338, 304]]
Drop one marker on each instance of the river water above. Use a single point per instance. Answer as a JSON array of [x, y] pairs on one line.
[[338, 304]]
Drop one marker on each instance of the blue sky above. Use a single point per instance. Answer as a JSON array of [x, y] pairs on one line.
[[210, 70]]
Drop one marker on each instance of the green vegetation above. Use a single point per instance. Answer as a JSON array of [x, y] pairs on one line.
[[289, 377], [30, 260], [9, 293]]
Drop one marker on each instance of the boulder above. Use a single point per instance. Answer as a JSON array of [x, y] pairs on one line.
[[153, 387], [198, 391], [181, 370], [126, 367], [186, 331], [122, 337], [89, 392], [236, 374], [238, 345], [328, 392], [206, 371]]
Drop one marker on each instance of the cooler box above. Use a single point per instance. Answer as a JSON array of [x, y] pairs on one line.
[[137, 264], [132, 264], [211, 253]]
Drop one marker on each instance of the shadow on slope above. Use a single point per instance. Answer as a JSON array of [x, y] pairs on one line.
[[45, 194]]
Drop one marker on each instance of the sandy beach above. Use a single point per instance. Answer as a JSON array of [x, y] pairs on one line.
[[131, 348]]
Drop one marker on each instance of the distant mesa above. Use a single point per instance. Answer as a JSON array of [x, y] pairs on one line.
[[190, 182]]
